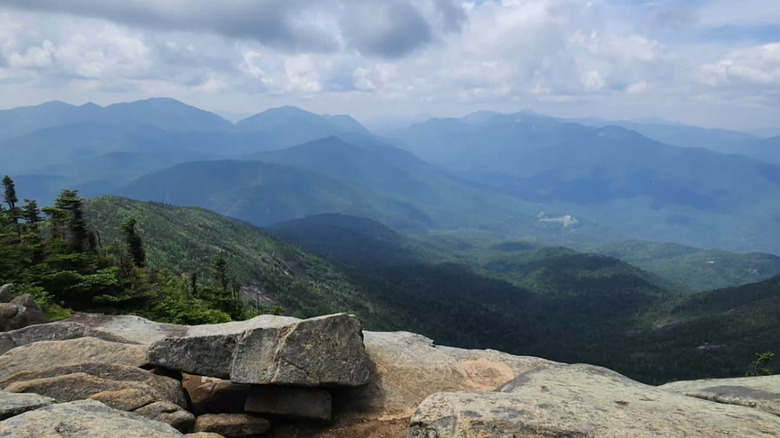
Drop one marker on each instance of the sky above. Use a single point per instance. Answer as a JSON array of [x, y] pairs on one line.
[[705, 62]]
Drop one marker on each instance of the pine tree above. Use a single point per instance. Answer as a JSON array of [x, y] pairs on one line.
[[134, 242], [11, 199]]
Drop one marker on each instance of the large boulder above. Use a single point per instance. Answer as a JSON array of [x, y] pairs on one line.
[[583, 401], [84, 419], [232, 425], [14, 404], [288, 401], [53, 331], [43, 355], [327, 350], [20, 312], [761, 392]]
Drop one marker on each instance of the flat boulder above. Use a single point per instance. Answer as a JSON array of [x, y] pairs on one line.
[[53, 331], [320, 351], [40, 356], [584, 401], [91, 377], [14, 404], [22, 311], [761, 392], [84, 419]]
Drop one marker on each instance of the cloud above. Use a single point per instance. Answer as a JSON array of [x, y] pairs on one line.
[[600, 57], [387, 28]]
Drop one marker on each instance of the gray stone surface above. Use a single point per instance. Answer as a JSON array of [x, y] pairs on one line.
[[761, 392], [83, 419], [14, 404], [6, 293], [407, 368], [168, 413], [43, 355], [22, 311], [584, 401], [327, 350], [202, 355], [53, 331], [107, 377], [232, 425], [292, 402]]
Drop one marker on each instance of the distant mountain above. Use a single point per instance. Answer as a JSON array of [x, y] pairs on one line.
[[288, 126], [690, 269], [259, 193], [613, 181], [766, 149], [163, 113], [719, 140]]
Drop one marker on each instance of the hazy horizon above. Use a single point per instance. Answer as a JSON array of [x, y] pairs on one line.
[[710, 63]]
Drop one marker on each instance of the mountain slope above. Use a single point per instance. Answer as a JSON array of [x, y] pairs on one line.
[[692, 269], [615, 182]]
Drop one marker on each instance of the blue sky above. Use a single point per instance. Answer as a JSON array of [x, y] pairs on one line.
[[707, 62]]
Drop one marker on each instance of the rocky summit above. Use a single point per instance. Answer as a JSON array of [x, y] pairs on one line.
[[125, 376]]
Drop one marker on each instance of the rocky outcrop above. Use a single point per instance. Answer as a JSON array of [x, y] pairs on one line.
[[83, 419], [53, 331], [583, 401], [762, 393], [292, 402], [43, 355], [232, 425], [14, 404], [20, 312], [324, 351]]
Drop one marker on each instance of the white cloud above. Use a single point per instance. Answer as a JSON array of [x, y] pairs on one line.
[[600, 57]]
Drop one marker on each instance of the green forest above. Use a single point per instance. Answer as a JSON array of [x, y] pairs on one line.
[[191, 266], [56, 255]]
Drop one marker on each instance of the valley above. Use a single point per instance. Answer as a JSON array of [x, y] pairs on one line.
[[572, 240]]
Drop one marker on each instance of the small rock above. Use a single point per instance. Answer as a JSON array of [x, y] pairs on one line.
[[168, 413], [6, 293], [53, 331], [203, 435], [42, 355], [15, 404], [304, 403], [20, 312], [232, 425], [83, 419], [210, 395]]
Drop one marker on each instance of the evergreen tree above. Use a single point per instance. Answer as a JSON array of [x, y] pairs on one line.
[[30, 212], [70, 207], [134, 242], [10, 198]]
